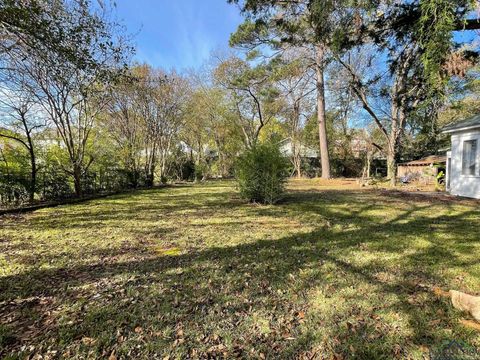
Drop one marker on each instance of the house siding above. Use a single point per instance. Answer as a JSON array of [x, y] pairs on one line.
[[464, 185]]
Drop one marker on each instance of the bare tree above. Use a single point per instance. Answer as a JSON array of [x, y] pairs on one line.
[[161, 102], [20, 124], [124, 124], [71, 85], [252, 94], [211, 120], [296, 82], [399, 91]]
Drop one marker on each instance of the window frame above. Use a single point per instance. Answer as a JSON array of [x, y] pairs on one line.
[[476, 139]]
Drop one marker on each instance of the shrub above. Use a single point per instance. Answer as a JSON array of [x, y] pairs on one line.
[[201, 171], [187, 171], [262, 172], [54, 184], [13, 193], [181, 167]]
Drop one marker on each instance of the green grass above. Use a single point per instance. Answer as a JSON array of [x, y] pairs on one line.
[[192, 271]]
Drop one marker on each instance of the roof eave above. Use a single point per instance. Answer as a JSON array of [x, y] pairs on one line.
[[449, 131]]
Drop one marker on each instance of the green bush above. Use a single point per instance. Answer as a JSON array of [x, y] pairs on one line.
[[54, 183], [13, 192], [262, 173]]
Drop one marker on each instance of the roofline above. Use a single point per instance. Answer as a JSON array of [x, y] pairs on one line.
[[438, 159], [448, 131], [423, 163]]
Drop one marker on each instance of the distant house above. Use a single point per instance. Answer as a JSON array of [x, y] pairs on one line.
[[360, 146], [286, 147], [463, 161], [425, 169]]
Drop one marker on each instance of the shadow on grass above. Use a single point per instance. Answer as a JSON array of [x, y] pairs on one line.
[[354, 286]]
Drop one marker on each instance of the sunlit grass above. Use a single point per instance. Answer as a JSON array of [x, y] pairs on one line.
[[334, 270]]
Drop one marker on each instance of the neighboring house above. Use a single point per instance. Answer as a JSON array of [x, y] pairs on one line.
[[360, 146], [49, 137], [357, 146], [463, 161], [425, 169], [286, 147]]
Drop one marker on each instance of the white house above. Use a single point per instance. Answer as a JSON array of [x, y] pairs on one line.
[[286, 147], [463, 161]]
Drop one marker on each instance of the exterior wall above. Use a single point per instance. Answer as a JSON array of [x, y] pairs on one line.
[[464, 185], [287, 149], [425, 173], [448, 171]]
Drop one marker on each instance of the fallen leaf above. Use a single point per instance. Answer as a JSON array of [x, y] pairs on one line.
[[88, 341]]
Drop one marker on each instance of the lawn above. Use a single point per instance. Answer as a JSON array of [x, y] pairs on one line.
[[334, 271]]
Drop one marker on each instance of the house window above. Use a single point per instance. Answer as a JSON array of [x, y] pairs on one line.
[[469, 157]]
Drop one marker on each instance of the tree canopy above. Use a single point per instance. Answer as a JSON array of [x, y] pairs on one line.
[[340, 86]]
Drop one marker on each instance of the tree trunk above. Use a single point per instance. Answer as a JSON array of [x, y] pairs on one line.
[[294, 138], [296, 159], [369, 165], [150, 175], [221, 159], [33, 176], [392, 169], [149, 180], [322, 125], [393, 139], [33, 165], [298, 166], [199, 171], [150, 166], [392, 157], [77, 180]]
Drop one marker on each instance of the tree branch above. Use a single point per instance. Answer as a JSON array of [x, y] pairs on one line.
[[358, 89], [16, 139], [467, 24]]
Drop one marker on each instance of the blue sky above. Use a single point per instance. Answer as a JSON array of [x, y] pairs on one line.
[[178, 34]]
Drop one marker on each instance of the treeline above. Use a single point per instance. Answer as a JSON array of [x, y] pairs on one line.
[[339, 87]]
